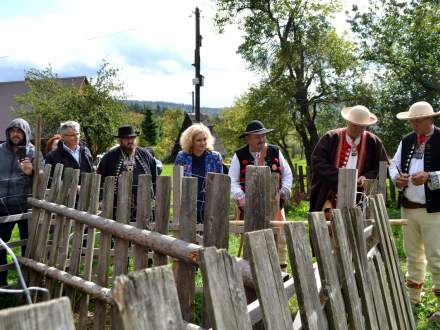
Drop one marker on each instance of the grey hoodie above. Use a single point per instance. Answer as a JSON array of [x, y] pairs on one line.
[[15, 186]]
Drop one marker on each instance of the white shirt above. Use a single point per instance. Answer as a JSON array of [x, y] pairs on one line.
[[413, 193], [234, 174], [352, 160], [75, 153]]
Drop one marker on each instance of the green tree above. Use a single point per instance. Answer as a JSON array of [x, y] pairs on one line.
[[149, 127], [96, 105], [400, 41], [294, 45], [170, 123]]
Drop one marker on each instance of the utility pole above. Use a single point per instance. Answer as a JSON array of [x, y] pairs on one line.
[[198, 80]]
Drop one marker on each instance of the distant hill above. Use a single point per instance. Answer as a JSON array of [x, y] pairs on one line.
[[161, 105]]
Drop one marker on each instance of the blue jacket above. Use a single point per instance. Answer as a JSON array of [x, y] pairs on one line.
[[15, 186], [213, 162]]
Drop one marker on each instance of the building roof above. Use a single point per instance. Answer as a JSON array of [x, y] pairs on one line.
[[10, 89]]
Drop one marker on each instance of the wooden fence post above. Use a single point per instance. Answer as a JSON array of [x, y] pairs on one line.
[[163, 197], [143, 215], [347, 188], [177, 192], [382, 179], [185, 273]]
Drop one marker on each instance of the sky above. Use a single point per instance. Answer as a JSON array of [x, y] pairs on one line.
[[151, 42]]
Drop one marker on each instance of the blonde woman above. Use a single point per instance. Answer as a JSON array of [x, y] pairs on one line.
[[198, 158]]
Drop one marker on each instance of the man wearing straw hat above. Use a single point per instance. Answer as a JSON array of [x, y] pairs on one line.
[[259, 153], [349, 147], [416, 172]]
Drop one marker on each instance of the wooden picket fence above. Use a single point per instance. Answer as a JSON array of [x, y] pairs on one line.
[[355, 283]]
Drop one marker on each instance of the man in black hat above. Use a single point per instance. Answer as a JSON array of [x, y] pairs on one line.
[[127, 157], [259, 153]]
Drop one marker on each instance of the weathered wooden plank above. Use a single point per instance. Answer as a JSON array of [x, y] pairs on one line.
[[147, 299], [123, 212], [361, 273], [88, 260], [216, 226], [226, 299], [348, 280], [265, 266], [15, 217], [257, 208], [185, 273], [143, 213], [347, 188], [377, 297], [104, 251], [385, 291], [163, 198], [307, 294], [50, 315], [395, 263], [177, 188], [382, 178], [335, 308]]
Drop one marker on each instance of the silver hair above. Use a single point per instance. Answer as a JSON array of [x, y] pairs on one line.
[[69, 124]]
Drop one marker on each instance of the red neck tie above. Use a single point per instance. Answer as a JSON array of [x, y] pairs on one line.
[[421, 138]]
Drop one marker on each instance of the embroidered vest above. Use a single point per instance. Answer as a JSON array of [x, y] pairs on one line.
[[245, 158], [431, 162]]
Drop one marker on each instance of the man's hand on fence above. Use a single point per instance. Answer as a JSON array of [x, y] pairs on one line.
[[26, 166], [361, 181], [419, 178], [402, 180]]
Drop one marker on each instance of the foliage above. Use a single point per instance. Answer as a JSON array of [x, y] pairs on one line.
[[170, 123], [96, 105], [294, 45], [149, 127], [400, 41]]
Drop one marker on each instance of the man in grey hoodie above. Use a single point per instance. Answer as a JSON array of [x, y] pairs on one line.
[[16, 173]]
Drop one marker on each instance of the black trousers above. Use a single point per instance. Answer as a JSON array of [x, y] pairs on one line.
[[5, 234]]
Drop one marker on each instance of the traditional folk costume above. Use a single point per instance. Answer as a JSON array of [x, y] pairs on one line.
[[270, 156], [335, 150], [116, 161], [420, 204]]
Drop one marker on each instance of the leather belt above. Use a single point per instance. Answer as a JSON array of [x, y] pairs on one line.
[[406, 203]]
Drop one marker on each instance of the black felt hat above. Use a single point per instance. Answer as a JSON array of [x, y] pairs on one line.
[[256, 127], [126, 131]]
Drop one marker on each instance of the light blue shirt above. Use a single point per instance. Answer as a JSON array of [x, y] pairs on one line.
[[75, 153]]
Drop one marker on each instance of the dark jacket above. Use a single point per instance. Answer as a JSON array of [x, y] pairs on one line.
[[61, 155], [15, 186], [325, 173]]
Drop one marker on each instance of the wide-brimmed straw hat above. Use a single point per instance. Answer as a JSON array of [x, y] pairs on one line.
[[359, 115], [418, 110], [255, 127]]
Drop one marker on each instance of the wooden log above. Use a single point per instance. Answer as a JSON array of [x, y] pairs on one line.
[[395, 263], [307, 294], [348, 281], [335, 308], [15, 217], [184, 272], [88, 261], [76, 282], [265, 266], [147, 299], [163, 198], [49, 315], [143, 213], [216, 226], [257, 207], [177, 188], [123, 212], [361, 273], [385, 291], [104, 251], [347, 188], [173, 247], [226, 299]]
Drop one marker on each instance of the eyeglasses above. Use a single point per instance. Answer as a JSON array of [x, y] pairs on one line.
[[74, 134]]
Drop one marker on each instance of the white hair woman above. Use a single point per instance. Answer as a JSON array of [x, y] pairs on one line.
[[198, 158]]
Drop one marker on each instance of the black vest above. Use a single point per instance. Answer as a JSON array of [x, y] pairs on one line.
[[245, 158], [431, 163]]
